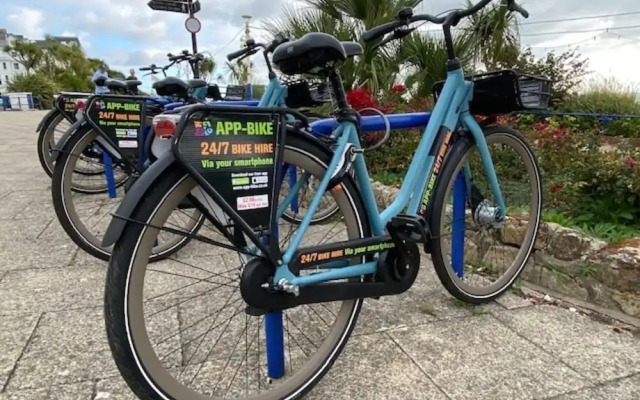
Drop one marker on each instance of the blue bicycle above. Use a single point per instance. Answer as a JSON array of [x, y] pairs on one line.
[[260, 308]]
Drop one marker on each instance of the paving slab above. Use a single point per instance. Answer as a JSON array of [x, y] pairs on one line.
[[67, 347], [385, 373], [595, 350], [14, 337], [622, 389], [76, 391], [479, 358], [51, 289]]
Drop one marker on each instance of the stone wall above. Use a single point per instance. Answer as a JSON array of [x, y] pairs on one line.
[[572, 263]]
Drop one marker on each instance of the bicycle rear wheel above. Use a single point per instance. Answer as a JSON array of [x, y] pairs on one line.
[[85, 215], [48, 137], [221, 354], [477, 255]]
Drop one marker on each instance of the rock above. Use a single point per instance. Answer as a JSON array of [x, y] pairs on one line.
[[384, 194], [629, 303], [618, 265], [568, 244]]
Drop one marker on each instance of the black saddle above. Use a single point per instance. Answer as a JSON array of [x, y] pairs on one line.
[[312, 54], [197, 83], [352, 49], [116, 85], [171, 86]]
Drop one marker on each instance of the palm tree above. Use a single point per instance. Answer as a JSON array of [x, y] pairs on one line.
[[425, 59], [346, 20], [496, 35]]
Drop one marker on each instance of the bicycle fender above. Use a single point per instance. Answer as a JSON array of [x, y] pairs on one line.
[[65, 138], [134, 197], [48, 118]]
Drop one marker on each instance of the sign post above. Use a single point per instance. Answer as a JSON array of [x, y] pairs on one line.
[[190, 7]]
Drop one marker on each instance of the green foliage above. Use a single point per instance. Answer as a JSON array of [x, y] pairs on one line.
[[494, 32], [36, 83], [426, 58], [206, 68], [25, 53], [346, 20], [565, 71]]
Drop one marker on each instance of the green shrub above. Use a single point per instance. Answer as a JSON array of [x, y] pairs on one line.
[[37, 84]]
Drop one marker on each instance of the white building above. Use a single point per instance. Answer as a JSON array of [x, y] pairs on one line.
[[9, 67]]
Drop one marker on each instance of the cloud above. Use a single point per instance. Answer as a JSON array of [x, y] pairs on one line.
[[27, 21]]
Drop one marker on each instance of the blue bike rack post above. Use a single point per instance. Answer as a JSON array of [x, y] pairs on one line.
[[458, 225], [249, 92], [293, 178], [274, 331], [108, 172]]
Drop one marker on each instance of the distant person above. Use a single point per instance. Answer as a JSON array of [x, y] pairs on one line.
[[96, 79], [132, 77]]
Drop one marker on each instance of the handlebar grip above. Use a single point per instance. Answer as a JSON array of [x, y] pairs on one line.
[[236, 54], [145, 69], [175, 58], [381, 30]]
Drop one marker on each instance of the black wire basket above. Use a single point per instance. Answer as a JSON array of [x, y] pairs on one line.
[[504, 92], [302, 93]]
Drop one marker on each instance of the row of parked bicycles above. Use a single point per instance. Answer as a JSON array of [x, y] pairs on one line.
[[243, 236]]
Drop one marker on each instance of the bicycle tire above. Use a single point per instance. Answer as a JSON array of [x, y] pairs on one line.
[[68, 216], [452, 165]]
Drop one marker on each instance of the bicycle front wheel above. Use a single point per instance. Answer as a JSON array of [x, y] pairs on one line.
[[476, 253]]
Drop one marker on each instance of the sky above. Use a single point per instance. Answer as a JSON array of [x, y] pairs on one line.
[[127, 33]]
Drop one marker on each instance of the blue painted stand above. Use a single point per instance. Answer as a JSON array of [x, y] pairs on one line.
[[249, 92], [108, 172], [273, 329], [458, 225], [274, 334], [293, 178]]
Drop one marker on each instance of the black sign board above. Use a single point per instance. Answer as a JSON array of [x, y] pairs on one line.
[[66, 103], [235, 93], [237, 155], [176, 6], [121, 120]]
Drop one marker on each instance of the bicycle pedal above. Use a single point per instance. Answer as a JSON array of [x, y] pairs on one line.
[[345, 165], [410, 228]]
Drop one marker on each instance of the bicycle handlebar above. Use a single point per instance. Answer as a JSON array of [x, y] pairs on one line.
[[405, 17]]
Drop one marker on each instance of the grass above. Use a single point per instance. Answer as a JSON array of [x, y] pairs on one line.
[[606, 95], [388, 178], [608, 232]]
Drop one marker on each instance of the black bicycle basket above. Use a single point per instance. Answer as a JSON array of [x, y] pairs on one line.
[[504, 92], [303, 93]]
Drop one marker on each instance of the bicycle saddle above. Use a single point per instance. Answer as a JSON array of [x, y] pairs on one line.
[[171, 86], [352, 48], [197, 83], [115, 85], [132, 84], [311, 54]]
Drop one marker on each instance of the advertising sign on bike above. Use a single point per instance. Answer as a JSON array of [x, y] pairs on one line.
[[120, 119], [236, 154]]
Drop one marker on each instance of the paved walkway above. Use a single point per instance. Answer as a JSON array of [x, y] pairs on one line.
[[421, 345]]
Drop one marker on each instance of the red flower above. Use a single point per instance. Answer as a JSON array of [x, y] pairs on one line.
[[560, 133], [398, 88], [630, 163], [555, 188], [361, 98], [540, 126]]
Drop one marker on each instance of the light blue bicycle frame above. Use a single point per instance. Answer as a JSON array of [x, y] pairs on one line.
[[451, 112]]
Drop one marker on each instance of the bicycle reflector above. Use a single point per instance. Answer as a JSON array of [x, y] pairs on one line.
[[164, 126], [80, 104]]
